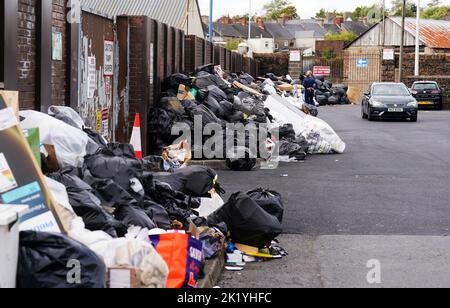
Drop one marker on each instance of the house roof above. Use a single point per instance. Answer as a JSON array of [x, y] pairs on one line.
[[256, 32], [226, 30], [433, 33], [332, 28], [356, 27], [171, 12], [278, 31], [306, 31]]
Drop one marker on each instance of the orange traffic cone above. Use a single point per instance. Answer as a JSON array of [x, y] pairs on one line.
[[136, 137]]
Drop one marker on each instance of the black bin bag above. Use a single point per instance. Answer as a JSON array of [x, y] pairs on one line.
[[44, 262], [248, 223], [271, 201]]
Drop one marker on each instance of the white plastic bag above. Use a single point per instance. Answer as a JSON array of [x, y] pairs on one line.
[[210, 205], [69, 113], [126, 252], [321, 138], [69, 142]]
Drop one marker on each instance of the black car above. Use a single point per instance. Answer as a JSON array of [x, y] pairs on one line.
[[389, 101], [428, 94]]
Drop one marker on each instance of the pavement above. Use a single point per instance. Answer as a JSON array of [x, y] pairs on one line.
[[382, 206]]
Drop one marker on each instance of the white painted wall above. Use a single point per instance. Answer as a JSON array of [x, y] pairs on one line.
[[193, 24], [306, 43], [262, 45]]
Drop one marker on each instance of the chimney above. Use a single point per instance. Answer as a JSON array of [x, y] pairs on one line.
[[286, 19], [242, 21], [320, 21], [347, 16], [260, 22], [330, 17], [226, 20], [364, 20], [338, 20]]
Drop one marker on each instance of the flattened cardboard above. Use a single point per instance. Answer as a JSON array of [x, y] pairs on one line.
[[31, 183]]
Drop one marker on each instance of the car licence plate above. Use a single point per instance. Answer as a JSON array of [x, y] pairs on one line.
[[395, 109]]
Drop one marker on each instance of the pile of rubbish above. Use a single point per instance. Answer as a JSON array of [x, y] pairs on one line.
[[123, 224], [329, 94], [238, 98]]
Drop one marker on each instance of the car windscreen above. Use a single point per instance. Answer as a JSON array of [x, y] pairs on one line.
[[424, 86], [390, 90]]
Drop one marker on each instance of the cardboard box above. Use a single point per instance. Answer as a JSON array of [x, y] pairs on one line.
[[123, 278], [21, 178]]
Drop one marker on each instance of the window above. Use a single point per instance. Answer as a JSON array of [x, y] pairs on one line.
[[276, 46], [390, 90], [267, 44], [286, 44], [425, 86]]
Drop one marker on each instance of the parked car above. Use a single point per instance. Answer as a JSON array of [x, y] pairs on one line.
[[389, 101], [428, 94]]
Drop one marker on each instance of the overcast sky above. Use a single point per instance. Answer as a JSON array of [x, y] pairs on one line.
[[306, 8]]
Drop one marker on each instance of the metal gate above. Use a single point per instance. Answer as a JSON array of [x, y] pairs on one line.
[[336, 67], [362, 67]]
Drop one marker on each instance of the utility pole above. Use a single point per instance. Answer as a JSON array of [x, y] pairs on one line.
[[417, 62], [384, 24], [250, 21], [402, 43], [211, 20]]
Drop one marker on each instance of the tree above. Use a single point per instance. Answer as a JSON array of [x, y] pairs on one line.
[[290, 11], [435, 12], [233, 44], [278, 8], [397, 5], [341, 36], [321, 14], [434, 3]]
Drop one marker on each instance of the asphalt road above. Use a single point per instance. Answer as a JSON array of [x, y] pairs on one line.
[[387, 197]]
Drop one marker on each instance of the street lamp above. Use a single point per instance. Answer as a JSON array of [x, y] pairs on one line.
[[211, 20], [417, 60]]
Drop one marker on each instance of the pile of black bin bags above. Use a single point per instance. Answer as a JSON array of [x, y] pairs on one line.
[[253, 218], [329, 94], [113, 192], [215, 101]]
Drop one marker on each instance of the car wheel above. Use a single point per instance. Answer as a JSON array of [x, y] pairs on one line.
[[369, 116], [363, 115]]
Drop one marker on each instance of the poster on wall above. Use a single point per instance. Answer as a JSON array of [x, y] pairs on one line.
[[295, 56], [388, 54], [57, 53], [92, 80], [109, 58]]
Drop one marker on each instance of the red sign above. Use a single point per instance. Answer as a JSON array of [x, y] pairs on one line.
[[322, 71]]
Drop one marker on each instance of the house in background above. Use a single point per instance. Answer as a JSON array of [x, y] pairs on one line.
[[284, 39], [434, 35], [184, 15]]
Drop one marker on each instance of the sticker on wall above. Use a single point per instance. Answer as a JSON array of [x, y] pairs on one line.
[[105, 123], [98, 121], [108, 86], [92, 80], [109, 58], [7, 180]]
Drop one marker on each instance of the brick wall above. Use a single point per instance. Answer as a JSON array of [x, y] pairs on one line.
[[336, 46], [27, 62], [59, 67], [26, 49], [277, 63], [136, 67]]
